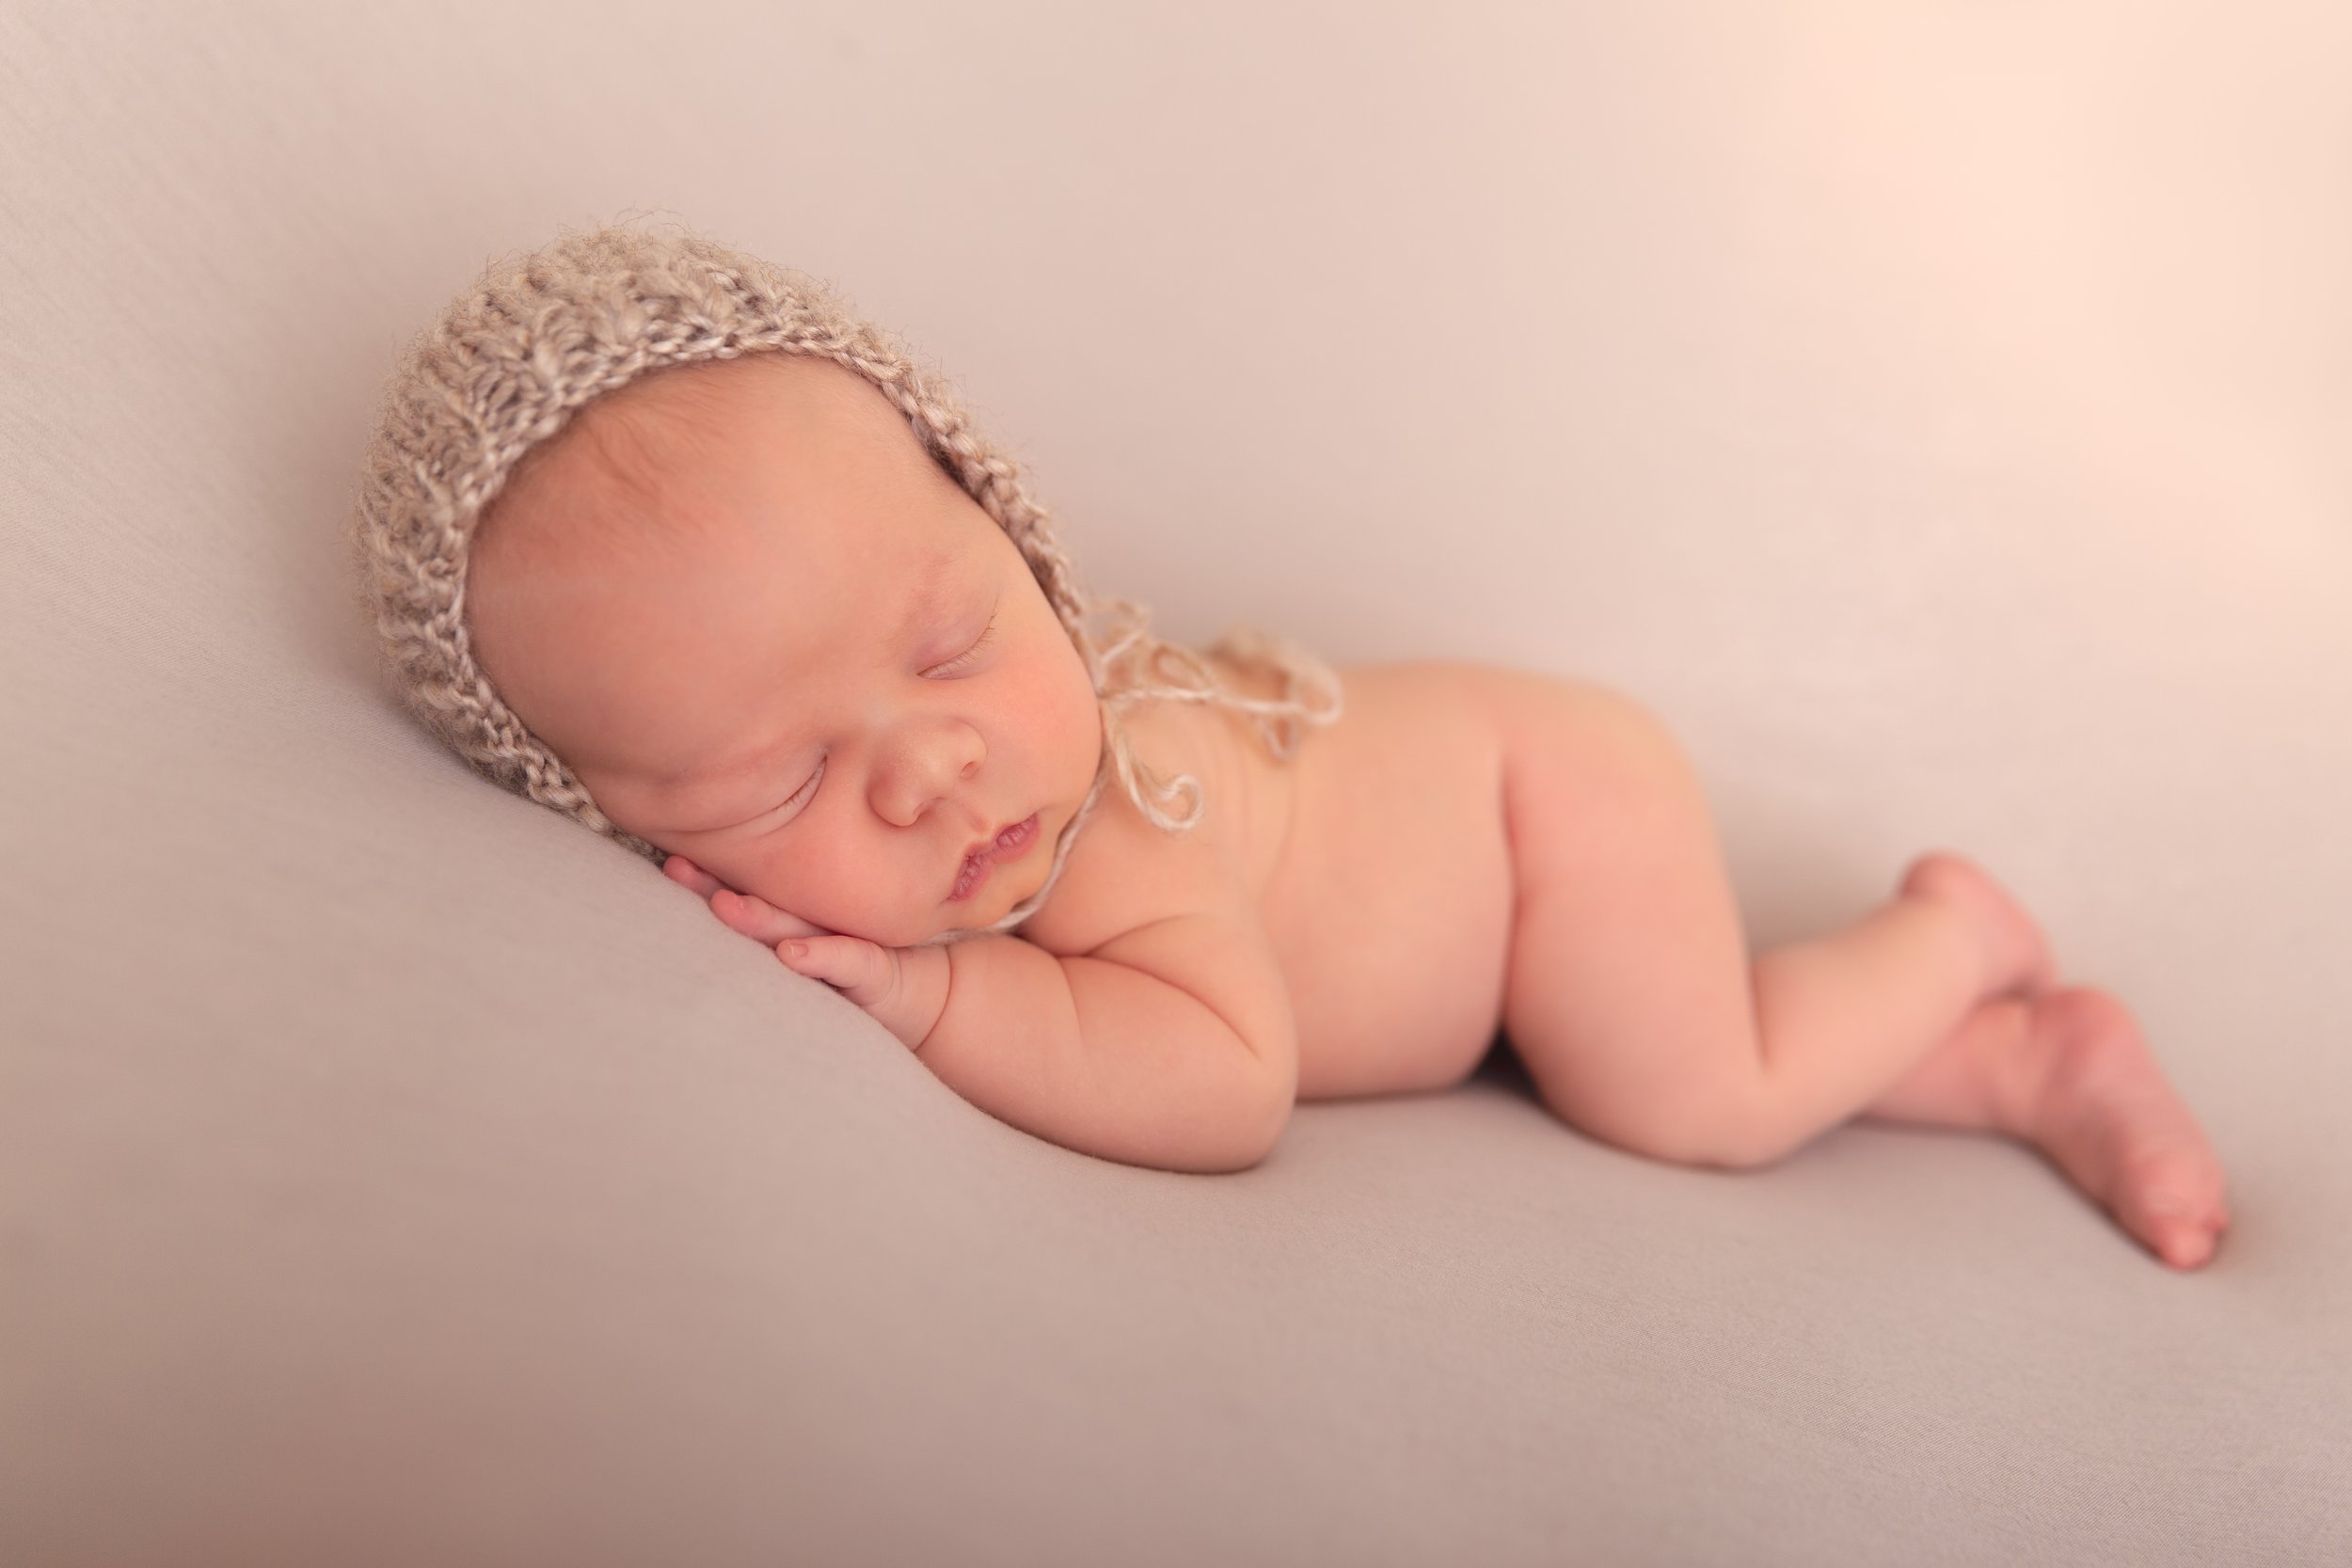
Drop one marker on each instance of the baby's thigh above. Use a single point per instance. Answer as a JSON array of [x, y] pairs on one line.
[[1627, 988], [1588, 770]]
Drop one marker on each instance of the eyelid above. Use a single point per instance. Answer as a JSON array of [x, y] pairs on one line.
[[988, 635], [809, 786]]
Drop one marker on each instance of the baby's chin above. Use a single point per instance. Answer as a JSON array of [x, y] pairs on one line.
[[906, 935], [955, 930]]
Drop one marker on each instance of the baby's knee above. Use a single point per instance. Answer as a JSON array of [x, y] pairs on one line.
[[1723, 1148], [1720, 1129], [1751, 1147]]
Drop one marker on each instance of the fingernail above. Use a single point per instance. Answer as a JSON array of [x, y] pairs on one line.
[[796, 950]]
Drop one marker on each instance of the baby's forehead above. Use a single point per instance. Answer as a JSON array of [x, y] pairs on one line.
[[665, 454], [769, 393]]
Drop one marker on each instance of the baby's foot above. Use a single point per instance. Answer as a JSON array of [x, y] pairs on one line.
[[2017, 954], [2104, 1114]]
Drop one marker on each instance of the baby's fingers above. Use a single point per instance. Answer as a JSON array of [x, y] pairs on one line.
[[903, 989], [860, 970], [687, 874], [761, 920], [754, 917]]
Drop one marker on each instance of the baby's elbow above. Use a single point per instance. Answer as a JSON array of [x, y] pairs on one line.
[[1276, 1095], [1237, 1138], [1270, 1132], [1262, 1127]]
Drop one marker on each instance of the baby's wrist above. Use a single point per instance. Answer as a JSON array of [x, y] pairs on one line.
[[926, 973]]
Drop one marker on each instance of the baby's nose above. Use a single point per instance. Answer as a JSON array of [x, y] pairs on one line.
[[929, 770]]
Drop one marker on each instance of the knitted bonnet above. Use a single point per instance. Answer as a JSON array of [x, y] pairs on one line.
[[539, 335]]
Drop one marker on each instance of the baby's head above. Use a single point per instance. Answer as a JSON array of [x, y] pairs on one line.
[[767, 632], [659, 537]]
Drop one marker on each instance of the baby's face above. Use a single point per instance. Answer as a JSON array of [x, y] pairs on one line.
[[770, 635]]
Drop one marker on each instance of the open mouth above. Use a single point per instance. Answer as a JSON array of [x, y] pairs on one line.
[[1010, 844]]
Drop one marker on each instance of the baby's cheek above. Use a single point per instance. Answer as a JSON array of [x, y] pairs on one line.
[[796, 895], [825, 889], [1074, 731]]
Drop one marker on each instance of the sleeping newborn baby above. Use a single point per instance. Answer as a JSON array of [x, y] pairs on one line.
[[659, 537]]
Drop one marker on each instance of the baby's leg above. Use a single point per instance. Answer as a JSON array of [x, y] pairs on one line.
[[1630, 994], [2069, 1072], [1634, 1001]]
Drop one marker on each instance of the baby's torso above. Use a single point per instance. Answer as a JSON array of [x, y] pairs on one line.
[[1378, 861]]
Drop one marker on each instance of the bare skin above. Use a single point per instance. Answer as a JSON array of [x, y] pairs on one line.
[[2062, 1068], [742, 676], [2066, 1070]]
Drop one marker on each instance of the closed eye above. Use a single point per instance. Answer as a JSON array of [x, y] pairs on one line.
[[954, 665], [808, 788], [988, 635]]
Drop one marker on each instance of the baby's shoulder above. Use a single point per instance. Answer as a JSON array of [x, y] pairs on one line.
[[1125, 871]]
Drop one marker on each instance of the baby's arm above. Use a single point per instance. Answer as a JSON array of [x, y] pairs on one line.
[[1171, 1046]]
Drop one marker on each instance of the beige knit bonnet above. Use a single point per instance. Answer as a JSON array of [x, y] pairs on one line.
[[540, 334]]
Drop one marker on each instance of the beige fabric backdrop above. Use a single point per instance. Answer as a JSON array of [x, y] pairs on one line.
[[1939, 413]]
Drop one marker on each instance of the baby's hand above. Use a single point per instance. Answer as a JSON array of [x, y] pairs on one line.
[[904, 988], [754, 917]]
